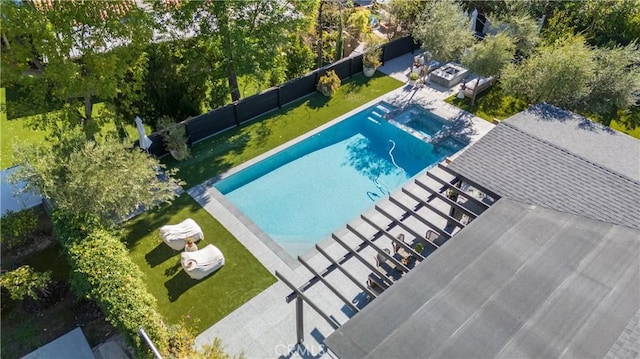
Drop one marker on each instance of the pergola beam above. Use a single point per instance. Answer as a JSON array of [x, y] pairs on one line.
[[386, 255], [366, 263], [458, 190], [396, 240], [346, 272], [445, 199], [405, 227], [472, 183], [299, 317], [328, 285], [420, 218], [432, 208]]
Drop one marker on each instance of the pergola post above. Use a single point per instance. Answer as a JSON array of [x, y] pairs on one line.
[[299, 320]]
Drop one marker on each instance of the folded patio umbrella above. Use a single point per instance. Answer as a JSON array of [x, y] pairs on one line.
[[145, 142]]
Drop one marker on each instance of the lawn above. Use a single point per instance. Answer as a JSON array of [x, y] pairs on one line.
[[18, 130], [180, 298], [234, 147], [495, 104], [491, 104]]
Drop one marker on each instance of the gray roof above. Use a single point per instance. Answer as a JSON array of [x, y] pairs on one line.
[[72, 345], [592, 141], [537, 160], [519, 281]]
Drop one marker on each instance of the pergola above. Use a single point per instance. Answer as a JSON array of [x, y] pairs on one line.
[[430, 200]]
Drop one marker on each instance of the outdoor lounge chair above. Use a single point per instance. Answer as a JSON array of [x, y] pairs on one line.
[[484, 84], [200, 264], [176, 235]]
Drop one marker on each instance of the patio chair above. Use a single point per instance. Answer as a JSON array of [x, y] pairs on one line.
[[176, 235], [398, 248], [375, 284], [200, 264]]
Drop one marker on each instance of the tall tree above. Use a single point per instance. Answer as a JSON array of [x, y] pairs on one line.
[[443, 30], [405, 14], [81, 49], [489, 57], [605, 23], [107, 179], [523, 29], [559, 74], [616, 82], [240, 37]]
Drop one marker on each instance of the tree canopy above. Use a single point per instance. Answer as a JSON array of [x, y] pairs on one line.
[[238, 37], [105, 178], [573, 75], [443, 30], [489, 57], [80, 49], [559, 74]]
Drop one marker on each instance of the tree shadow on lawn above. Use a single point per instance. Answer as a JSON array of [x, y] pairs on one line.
[[141, 226], [161, 253], [181, 282]]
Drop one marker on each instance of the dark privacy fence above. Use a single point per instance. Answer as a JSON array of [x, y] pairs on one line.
[[223, 118]]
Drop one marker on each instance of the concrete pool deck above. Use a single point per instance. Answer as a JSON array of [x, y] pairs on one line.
[[264, 327]]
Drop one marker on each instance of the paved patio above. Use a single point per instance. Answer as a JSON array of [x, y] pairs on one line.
[[264, 327]]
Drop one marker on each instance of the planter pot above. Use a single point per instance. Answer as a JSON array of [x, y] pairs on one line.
[[413, 82], [179, 155], [325, 91], [369, 71]]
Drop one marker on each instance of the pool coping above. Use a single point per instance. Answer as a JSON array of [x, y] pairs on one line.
[[286, 257]]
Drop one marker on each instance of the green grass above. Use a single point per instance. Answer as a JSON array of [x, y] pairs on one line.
[[21, 337], [234, 147], [19, 130], [490, 104], [199, 303], [631, 132], [13, 131]]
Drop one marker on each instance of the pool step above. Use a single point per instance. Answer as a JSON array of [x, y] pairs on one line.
[[383, 109], [377, 114], [373, 120]]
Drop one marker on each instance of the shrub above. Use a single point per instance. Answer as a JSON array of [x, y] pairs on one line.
[[174, 137], [24, 282], [104, 272], [329, 83], [18, 227], [371, 58]]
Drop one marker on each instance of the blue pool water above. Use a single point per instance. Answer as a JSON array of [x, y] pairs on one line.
[[302, 194], [422, 121]]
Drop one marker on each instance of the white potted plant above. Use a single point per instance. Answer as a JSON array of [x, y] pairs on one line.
[[371, 61]]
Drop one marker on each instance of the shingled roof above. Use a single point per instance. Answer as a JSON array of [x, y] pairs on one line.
[[556, 159]]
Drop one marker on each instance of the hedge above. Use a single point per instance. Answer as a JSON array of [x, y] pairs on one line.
[[103, 271]]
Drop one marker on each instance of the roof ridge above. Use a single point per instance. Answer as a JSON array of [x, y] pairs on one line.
[[564, 150]]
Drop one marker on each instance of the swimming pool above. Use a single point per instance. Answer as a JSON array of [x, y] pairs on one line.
[[302, 194]]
